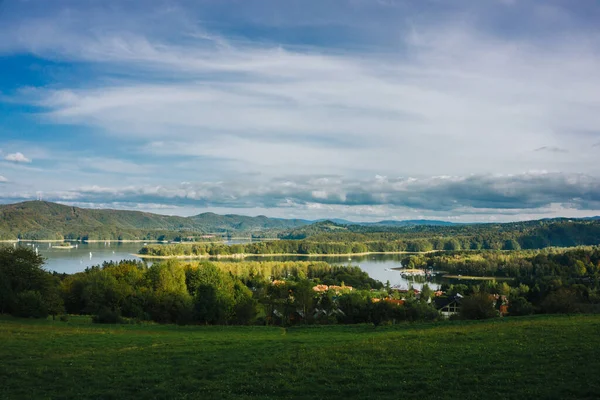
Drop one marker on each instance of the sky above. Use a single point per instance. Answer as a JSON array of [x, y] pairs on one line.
[[466, 110]]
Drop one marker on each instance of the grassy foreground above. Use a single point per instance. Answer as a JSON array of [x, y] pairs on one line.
[[538, 357]]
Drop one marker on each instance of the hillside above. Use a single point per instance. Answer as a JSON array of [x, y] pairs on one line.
[[241, 223], [560, 232], [46, 220], [545, 357]]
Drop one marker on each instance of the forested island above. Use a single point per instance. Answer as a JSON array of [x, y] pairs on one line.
[[327, 238], [40, 220]]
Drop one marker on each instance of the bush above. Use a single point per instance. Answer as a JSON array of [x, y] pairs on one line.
[[171, 307], [520, 306], [478, 306], [383, 312], [418, 311], [30, 304], [245, 311], [64, 318], [107, 316], [562, 301]]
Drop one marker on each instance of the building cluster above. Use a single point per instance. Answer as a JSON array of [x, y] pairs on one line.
[[335, 288]]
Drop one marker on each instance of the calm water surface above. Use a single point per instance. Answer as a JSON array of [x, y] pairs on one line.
[[378, 266]]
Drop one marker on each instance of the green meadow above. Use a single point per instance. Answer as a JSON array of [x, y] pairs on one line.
[[521, 357]]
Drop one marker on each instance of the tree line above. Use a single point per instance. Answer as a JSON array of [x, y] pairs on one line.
[[283, 293], [544, 281], [519, 236]]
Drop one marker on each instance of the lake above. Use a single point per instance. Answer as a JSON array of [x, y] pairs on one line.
[[378, 266]]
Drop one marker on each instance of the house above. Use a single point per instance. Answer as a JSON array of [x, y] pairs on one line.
[[448, 306], [394, 301], [320, 288], [388, 300], [336, 289]]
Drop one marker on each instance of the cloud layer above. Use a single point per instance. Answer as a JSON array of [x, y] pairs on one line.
[[472, 196], [297, 108]]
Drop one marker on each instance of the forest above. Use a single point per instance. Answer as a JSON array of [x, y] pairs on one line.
[[336, 239], [43, 220], [298, 292]]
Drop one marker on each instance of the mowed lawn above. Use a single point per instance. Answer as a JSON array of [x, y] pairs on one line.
[[536, 357]]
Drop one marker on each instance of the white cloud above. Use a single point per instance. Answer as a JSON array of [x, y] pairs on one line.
[[17, 157], [457, 97], [450, 194], [461, 110], [3, 179]]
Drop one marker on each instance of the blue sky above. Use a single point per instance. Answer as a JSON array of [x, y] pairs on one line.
[[360, 109]]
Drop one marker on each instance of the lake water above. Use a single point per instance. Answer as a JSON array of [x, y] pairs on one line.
[[378, 266]]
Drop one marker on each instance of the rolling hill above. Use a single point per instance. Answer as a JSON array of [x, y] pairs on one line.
[[38, 220], [46, 220]]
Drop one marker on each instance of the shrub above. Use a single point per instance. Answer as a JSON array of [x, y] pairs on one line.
[[382, 312], [418, 311], [169, 307], [478, 306], [245, 311], [562, 301], [107, 316], [30, 304], [520, 306], [64, 318]]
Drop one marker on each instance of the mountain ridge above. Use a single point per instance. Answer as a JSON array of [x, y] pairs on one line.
[[48, 220]]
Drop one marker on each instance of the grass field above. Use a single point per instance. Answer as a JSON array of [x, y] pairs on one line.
[[525, 358]]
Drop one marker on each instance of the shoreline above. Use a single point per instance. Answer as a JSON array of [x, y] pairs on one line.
[[478, 278], [36, 241], [244, 255], [79, 241]]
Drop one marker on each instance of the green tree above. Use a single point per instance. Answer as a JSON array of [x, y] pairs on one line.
[[478, 306], [520, 306], [304, 297], [167, 277], [30, 304], [21, 269], [561, 301], [426, 292]]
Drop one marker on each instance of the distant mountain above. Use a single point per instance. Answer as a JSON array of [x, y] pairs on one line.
[[323, 226], [592, 218], [338, 221], [46, 220], [410, 222], [241, 223]]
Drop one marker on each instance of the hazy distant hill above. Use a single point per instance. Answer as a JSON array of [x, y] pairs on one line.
[[232, 222], [530, 234], [338, 226], [410, 222], [46, 220]]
